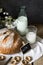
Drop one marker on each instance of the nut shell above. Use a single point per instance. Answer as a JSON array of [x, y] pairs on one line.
[[24, 62], [17, 58], [28, 58], [2, 57]]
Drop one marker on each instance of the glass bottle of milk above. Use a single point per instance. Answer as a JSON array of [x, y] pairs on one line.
[[22, 21]]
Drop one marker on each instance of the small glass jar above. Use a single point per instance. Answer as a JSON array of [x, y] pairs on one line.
[[31, 34]]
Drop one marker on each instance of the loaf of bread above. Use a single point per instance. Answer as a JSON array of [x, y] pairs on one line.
[[10, 41]]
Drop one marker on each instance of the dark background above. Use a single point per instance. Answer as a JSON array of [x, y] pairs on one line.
[[34, 8]]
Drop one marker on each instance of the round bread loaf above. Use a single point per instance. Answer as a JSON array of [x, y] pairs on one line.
[[10, 41]]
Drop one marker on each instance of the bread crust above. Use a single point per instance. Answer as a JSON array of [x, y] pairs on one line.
[[16, 45]]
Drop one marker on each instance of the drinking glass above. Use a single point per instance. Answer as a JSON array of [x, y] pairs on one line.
[[31, 34]]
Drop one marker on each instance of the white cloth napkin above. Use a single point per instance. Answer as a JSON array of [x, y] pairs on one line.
[[36, 52]]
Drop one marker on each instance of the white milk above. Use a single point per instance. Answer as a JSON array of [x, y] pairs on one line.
[[22, 24], [31, 37]]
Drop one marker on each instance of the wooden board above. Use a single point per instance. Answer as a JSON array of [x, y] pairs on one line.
[[39, 61]]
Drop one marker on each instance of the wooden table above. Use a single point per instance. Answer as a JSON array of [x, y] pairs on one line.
[[39, 61]]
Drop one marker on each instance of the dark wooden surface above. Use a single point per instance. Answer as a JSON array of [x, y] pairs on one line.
[[39, 30], [39, 61]]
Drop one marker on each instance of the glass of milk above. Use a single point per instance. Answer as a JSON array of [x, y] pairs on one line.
[[31, 34]]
